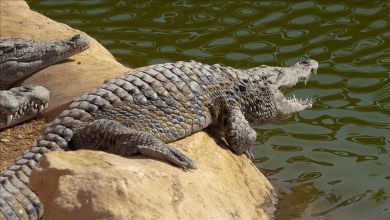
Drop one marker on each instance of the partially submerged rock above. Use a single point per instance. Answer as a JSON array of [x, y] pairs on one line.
[[96, 185]]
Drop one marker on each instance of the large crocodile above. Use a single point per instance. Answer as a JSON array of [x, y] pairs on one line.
[[19, 58], [146, 108]]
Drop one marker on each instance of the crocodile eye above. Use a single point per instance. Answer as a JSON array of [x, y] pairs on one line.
[[305, 62], [243, 88], [76, 37], [245, 81]]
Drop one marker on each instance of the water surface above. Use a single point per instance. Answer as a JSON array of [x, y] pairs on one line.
[[330, 162]]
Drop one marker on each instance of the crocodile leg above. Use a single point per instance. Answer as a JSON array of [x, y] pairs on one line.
[[239, 135], [113, 137]]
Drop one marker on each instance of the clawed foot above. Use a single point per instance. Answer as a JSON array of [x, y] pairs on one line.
[[181, 160], [249, 154], [22, 103], [168, 153]]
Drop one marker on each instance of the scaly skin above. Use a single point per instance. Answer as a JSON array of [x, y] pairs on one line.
[[143, 110], [19, 58]]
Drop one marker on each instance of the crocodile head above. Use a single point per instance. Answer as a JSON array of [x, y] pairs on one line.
[[22, 103], [272, 104], [19, 58]]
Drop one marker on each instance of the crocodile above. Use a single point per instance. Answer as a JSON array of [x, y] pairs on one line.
[[145, 109], [19, 58]]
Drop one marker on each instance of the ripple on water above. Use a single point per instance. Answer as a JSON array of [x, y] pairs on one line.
[[305, 177], [246, 11], [290, 48], [362, 82], [166, 18], [167, 49], [237, 56], [258, 45], [334, 8], [264, 58], [379, 24], [303, 20], [122, 17], [273, 17], [317, 51], [303, 5], [195, 52], [221, 42], [229, 20], [243, 33], [367, 11], [95, 11], [345, 20], [293, 34], [304, 159], [200, 17], [358, 46]]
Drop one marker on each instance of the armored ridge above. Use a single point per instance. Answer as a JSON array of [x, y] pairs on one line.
[[19, 58], [143, 110]]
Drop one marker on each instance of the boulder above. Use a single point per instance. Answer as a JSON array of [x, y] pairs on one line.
[[96, 185], [70, 78]]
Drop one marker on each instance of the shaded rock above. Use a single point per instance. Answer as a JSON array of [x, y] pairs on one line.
[[69, 79], [96, 185]]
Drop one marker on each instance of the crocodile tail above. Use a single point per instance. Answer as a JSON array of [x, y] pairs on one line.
[[17, 200]]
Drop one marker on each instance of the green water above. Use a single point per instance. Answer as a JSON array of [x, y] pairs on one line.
[[330, 162]]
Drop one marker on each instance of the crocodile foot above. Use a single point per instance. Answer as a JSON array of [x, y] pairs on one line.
[[22, 103]]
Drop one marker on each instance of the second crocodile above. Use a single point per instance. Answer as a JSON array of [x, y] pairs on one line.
[[19, 58]]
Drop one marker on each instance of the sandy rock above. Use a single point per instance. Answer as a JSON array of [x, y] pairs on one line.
[[67, 80], [96, 185]]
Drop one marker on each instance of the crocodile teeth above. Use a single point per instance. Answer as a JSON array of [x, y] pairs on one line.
[[9, 118], [41, 107], [46, 105]]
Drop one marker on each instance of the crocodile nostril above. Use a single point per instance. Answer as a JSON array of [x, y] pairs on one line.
[[305, 62], [76, 37]]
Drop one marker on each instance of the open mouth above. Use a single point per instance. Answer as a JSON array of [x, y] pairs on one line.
[[22, 103], [302, 101], [23, 112], [299, 73]]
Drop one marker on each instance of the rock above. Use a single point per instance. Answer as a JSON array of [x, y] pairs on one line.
[[69, 79], [95, 185]]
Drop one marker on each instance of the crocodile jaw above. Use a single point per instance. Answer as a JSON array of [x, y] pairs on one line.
[[300, 72], [22, 103]]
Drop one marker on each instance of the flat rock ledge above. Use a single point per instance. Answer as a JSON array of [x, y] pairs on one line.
[[96, 185]]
